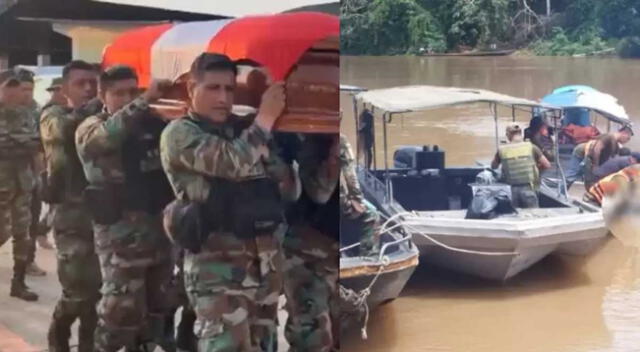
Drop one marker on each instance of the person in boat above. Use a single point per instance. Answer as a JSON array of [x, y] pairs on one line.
[[538, 134], [588, 156], [365, 134], [521, 162], [610, 184], [354, 207], [615, 164]]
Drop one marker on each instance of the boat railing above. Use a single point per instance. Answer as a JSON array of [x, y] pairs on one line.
[[385, 246], [373, 183]]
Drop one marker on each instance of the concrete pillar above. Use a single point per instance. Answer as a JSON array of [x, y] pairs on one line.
[[44, 60]]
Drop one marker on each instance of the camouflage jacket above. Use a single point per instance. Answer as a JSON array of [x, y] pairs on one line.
[[319, 175], [19, 142], [191, 152], [57, 130], [349, 186], [99, 140]]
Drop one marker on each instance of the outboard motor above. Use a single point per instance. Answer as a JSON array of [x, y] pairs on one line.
[[429, 158], [403, 157]]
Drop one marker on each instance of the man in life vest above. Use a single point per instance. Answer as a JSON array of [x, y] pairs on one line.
[[610, 184], [521, 162], [590, 155]]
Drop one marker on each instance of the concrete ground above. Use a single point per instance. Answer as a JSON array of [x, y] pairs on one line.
[[23, 325]]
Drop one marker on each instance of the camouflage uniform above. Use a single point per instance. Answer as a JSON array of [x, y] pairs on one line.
[[233, 283], [78, 268], [134, 253], [18, 144], [36, 228], [353, 206], [311, 265]]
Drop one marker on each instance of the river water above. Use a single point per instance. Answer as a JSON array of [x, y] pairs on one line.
[[561, 304]]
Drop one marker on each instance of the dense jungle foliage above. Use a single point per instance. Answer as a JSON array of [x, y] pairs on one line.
[[543, 27]]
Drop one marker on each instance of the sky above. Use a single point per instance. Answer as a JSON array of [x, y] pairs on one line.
[[233, 8]]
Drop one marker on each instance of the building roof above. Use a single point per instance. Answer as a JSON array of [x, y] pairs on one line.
[[96, 10], [234, 8]]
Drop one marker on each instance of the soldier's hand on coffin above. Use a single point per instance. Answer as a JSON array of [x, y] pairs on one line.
[[157, 89], [272, 105]]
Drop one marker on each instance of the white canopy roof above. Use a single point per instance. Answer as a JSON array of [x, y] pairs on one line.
[[418, 98]]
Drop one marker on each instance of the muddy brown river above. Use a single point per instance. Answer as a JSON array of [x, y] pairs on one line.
[[561, 304]]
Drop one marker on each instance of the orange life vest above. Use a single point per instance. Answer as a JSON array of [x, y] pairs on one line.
[[607, 185]]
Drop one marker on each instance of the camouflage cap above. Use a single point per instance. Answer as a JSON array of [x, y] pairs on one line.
[[513, 128], [9, 77], [56, 83]]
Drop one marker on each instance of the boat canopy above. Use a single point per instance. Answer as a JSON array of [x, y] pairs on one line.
[[419, 98], [351, 89], [585, 97]]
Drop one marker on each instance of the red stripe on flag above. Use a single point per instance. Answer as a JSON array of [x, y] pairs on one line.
[[275, 41], [133, 48]]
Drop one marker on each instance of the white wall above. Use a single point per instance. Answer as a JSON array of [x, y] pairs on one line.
[[90, 38]]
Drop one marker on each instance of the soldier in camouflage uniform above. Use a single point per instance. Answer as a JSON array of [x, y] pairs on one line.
[[127, 191], [19, 143], [311, 249], [64, 182], [232, 276], [353, 206], [35, 231]]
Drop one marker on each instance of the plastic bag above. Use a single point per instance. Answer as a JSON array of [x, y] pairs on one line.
[[489, 203]]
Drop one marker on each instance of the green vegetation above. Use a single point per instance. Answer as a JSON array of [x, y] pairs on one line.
[[566, 27]]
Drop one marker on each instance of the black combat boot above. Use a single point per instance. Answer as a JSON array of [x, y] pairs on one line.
[[18, 288], [186, 340], [88, 323], [60, 329]]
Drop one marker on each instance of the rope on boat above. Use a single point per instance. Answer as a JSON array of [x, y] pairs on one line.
[[359, 299], [415, 231]]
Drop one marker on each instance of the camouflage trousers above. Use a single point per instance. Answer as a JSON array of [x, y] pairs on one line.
[[234, 285], [36, 227], [363, 217], [79, 276], [137, 293], [311, 270], [15, 218]]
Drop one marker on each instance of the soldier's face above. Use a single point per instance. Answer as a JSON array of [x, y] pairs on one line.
[[119, 93], [10, 94], [26, 93], [80, 87], [212, 94]]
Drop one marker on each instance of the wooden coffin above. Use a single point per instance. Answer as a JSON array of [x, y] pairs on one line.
[[312, 90]]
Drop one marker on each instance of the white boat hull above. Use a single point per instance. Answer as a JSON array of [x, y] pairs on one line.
[[527, 241]]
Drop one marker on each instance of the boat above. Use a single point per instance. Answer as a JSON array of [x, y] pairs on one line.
[[381, 278], [429, 199], [585, 106], [367, 282], [474, 53]]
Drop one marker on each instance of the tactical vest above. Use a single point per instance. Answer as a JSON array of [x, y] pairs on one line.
[[246, 208], [323, 217], [146, 186], [606, 185], [518, 166]]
